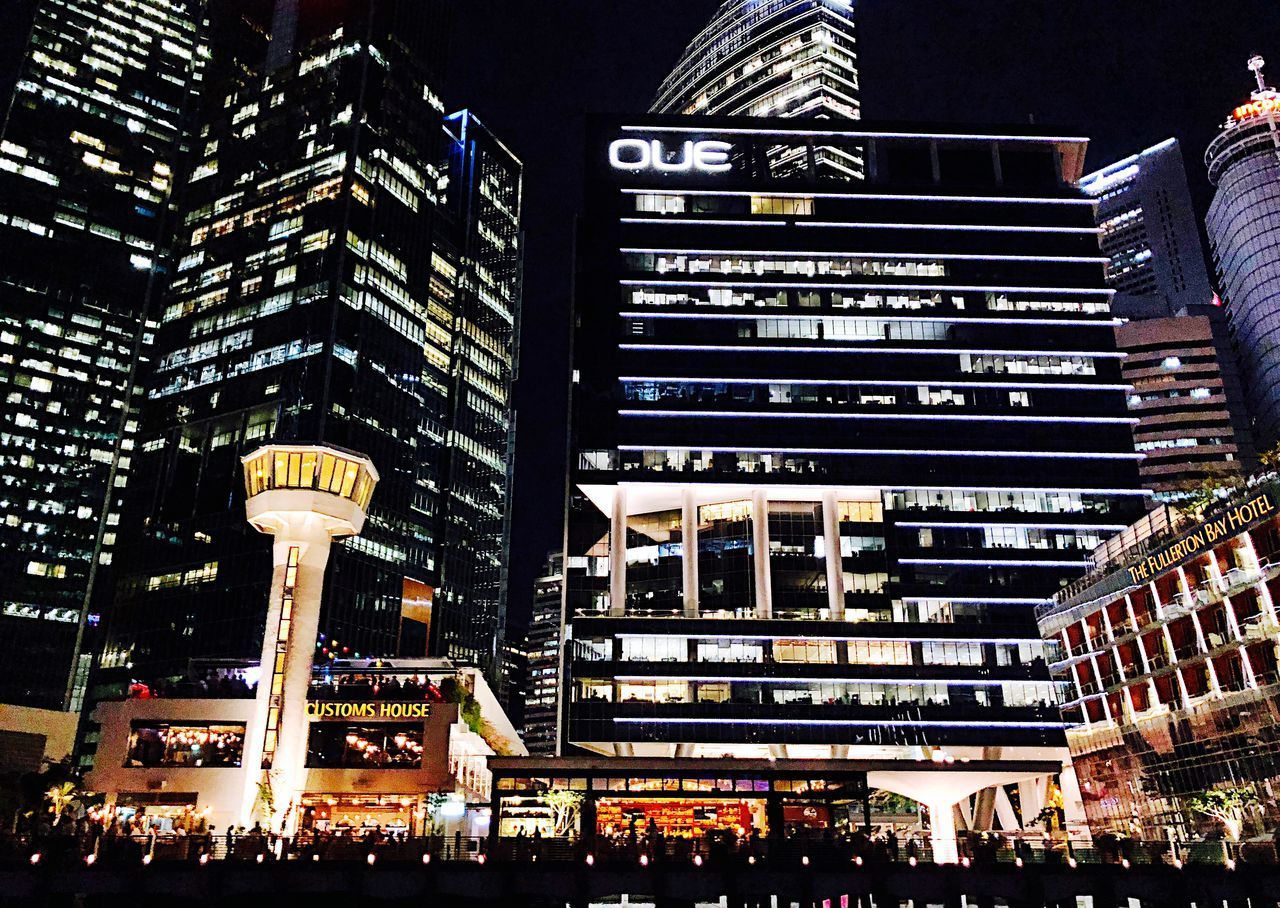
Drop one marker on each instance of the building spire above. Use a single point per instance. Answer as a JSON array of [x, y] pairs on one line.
[[1255, 65]]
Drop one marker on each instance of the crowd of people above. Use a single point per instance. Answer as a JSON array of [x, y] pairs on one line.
[[368, 686]]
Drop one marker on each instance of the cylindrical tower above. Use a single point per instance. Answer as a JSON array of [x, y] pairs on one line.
[[1244, 165], [305, 496]]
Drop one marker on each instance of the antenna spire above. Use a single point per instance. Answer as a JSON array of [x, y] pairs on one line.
[[1255, 65]]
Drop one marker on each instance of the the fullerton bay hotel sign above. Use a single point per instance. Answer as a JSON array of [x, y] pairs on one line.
[[1205, 535], [385, 710]]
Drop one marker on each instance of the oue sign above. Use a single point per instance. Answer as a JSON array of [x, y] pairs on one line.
[[653, 154]]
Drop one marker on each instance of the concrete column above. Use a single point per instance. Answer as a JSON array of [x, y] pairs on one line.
[[288, 651], [1155, 597], [618, 553], [831, 539], [1005, 812], [760, 543], [1250, 679], [942, 832], [1133, 616], [689, 531]]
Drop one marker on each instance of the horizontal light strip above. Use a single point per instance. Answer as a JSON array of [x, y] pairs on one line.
[[1004, 523], [748, 315], [924, 351], [875, 196], [870, 225], [893, 383], [878, 723], [805, 133], [1035, 638], [716, 679], [967, 228], [996, 562], [751, 414], [782, 253], [833, 285], [895, 452], [976, 600]]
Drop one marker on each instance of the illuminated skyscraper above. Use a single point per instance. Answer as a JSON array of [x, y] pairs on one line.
[[88, 153], [831, 446], [774, 58], [336, 283], [1244, 165]]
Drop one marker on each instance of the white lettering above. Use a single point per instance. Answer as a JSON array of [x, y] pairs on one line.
[[637, 159], [708, 156]]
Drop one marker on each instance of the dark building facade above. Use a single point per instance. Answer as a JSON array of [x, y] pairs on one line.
[[1188, 397], [334, 283], [832, 443], [90, 146], [542, 690]]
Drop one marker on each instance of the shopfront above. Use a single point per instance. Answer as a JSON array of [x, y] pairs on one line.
[[683, 799]]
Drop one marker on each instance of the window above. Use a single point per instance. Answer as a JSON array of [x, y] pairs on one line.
[[390, 746], [190, 744]]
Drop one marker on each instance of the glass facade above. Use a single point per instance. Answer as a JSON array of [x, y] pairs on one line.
[[94, 130], [776, 58], [837, 523], [347, 274]]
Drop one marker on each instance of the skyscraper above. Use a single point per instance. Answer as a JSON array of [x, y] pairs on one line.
[[348, 275], [1149, 231], [831, 446], [1244, 165], [542, 694], [774, 58], [88, 154], [1188, 398]]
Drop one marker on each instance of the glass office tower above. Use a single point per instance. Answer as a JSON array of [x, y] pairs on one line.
[[774, 58], [337, 282], [88, 155], [1244, 165], [831, 445]]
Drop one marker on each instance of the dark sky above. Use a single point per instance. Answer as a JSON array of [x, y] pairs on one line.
[[1128, 73]]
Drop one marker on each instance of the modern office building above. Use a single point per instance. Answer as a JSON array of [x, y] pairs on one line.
[[1244, 165], [1188, 396], [542, 690], [348, 272], [1168, 652], [1179, 396], [89, 148], [775, 58], [1149, 230], [483, 201], [832, 445]]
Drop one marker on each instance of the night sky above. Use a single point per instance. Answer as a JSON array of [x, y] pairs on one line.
[[1128, 73]]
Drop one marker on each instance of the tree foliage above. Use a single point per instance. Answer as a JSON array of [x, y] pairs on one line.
[[1228, 806]]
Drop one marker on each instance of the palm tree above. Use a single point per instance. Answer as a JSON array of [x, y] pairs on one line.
[[61, 797]]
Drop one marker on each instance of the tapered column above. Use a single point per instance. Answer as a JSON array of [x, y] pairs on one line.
[[278, 733], [689, 563], [618, 553], [831, 542], [760, 543]]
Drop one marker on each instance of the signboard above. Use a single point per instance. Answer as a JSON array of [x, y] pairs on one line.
[[379, 710], [1256, 108], [1205, 535], [637, 155]]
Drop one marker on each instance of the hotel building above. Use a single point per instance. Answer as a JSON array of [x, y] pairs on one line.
[[1168, 654], [831, 445]]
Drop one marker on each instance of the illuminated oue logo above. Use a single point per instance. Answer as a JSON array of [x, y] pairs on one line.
[[641, 154]]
